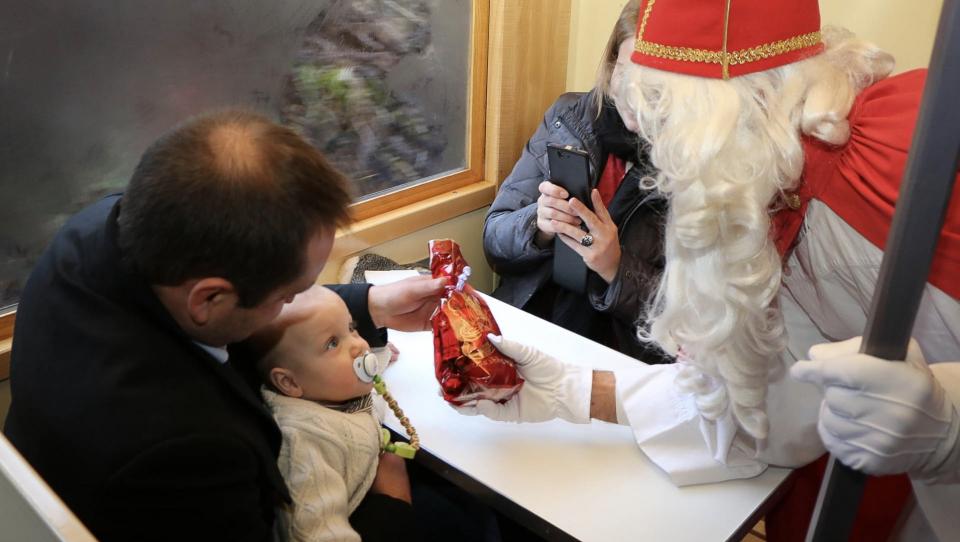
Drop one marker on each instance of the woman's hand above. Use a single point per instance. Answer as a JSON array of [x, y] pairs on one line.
[[553, 207], [602, 256]]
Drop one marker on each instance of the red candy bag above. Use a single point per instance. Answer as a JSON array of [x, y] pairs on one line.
[[467, 366]]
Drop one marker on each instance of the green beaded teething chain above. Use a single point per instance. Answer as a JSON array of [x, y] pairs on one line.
[[403, 449]]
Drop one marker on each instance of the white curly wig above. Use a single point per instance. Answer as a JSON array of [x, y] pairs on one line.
[[726, 150]]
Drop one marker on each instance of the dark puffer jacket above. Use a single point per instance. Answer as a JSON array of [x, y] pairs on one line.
[[607, 313]]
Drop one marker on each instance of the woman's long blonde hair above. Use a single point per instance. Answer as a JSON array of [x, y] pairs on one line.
[[725, 151], [626, 28]]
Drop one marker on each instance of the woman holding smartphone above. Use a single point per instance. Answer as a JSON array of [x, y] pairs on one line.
[[622, 247]]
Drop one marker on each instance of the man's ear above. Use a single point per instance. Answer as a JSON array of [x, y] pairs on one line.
[[285, 382], [209, 296]]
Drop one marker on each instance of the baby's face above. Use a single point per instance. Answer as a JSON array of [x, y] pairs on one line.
[[322, 348]]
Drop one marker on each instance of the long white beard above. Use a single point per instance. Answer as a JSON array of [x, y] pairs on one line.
[[723, 157], [717, 302]]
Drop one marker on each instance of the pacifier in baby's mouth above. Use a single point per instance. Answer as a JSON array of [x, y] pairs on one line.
[[368, 365]]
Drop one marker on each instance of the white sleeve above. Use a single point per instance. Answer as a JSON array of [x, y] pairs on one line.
[[668, 427], [670, 431], [828, 284]]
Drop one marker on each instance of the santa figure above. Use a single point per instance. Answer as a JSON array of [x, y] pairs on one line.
[[780, 146]]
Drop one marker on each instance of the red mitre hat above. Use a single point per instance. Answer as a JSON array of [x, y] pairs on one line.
[[726, 38]]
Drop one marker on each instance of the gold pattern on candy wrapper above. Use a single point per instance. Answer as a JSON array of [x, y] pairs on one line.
[[469, 333], [479, 353]]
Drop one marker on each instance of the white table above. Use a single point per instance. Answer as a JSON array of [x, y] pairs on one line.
[[588, 482]]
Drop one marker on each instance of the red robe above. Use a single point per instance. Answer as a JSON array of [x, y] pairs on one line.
[[860, 181]]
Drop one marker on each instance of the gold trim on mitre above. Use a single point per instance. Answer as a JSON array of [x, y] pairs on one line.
[[723, 57]]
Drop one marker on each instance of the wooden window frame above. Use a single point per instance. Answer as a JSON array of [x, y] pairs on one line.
[[515, 42], [476, 105], [6, 342]]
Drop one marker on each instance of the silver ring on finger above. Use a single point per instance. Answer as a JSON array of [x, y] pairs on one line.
[[586, 240]]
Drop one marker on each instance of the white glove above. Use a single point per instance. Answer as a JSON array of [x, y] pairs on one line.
[[883, 417], [553, 389]]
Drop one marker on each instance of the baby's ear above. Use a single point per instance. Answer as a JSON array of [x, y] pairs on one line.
[[285, 382]]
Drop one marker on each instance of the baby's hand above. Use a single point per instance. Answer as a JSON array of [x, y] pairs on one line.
[[386, 354], [391, 478], [394, 352]]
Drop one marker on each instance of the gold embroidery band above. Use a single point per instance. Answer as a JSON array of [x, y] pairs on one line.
[[743, 56]]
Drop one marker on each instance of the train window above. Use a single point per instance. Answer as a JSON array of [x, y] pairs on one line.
[[391, 90]]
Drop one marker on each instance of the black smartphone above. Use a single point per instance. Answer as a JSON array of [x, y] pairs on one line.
[[570, 168]]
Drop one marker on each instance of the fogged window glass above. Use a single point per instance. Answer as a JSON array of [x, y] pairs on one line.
[[380, 86]]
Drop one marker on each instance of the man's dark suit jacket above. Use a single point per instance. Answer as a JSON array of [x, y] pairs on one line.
[[141, 432]]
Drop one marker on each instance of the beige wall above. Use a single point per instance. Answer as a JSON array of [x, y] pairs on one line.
[[590, 24], [465, 229], [906, 29]]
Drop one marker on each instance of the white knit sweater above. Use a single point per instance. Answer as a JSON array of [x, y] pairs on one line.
[[328, 459]]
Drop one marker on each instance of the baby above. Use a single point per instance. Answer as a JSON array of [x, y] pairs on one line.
[[318, 375]]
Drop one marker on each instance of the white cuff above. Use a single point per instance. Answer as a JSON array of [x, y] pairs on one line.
[[669, 429], [575, 395], [621, 413]]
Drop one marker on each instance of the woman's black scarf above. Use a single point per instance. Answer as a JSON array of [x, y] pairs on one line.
[[614, 138]]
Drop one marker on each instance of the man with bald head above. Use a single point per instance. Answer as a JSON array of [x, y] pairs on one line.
[[124, 397]]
